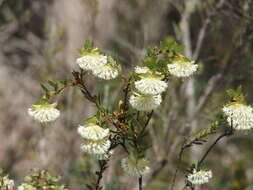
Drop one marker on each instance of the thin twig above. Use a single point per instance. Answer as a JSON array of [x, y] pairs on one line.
[[185, 145], [177, 168], [79, 80], [65, 86], [103, 166], [124, 146], [126, 90], [140, 183], [225, 134], [147, 122], [149, 117]]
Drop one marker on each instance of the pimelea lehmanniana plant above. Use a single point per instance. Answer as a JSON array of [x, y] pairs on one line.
[[36, 180], [127, 126]]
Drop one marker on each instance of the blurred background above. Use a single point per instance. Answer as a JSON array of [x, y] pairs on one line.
[[39, 41]]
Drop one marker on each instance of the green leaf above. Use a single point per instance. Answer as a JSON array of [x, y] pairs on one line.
[[44, 88], [162, 63], [53, 84], [178, 48], [230, 93], [239, 90], [170, 44], [92, 119], [150, 52], [42, 101], [87, 47], [236, 95], [64, 82], [150, 62]]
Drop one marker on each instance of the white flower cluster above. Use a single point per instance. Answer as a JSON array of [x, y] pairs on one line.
[[98, 147], [181, 68], [44, 113], [6, 183], [107, 71], [93, 132], [148, 90], [199, 177], [143, 102], [134, 166], [91, 61], [239, 115], [150, 86], [95, 140], [101, 66]]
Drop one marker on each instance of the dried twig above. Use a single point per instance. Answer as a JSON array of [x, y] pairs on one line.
[[140, 183], [103, 166]]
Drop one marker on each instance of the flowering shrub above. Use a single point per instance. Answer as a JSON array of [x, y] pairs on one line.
[[41, 180], [127, 126], [34, 181]]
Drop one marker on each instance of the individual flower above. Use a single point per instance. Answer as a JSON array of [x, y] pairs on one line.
[[6, 183], [239, 115], [134, 166], [104, 156], [143, 102], [108, 71], [150, 85], [93, 132], [182, 68], [44, 112], [26, 186], [96, 146], [141, 70], [91, 61], [199, 177]]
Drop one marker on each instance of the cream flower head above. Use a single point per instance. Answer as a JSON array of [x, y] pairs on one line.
[[107, 71], [134, 166], [182, 68], [93, 132], [150, 85], [145, 102], [91, 61], [44, 113], [96, 147], [199, 177], [239, 115]]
